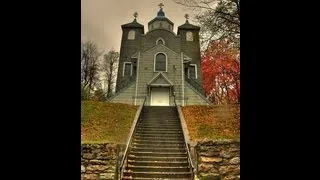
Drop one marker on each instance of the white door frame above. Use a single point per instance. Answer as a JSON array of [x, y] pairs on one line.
[[168, 88]]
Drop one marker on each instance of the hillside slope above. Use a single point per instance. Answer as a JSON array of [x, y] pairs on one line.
[[106, 122]]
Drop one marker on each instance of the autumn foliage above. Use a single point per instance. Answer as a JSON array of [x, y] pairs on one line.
[[221, 73], [212, 122], [106, 122]]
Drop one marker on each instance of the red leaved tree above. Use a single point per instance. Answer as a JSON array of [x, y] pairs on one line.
[[221, 72]]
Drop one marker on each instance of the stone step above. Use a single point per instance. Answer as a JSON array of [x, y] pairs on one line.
[[162, 112], [158, 148], [160, 145], [163, 108], [158, 131], [160, 121], [158, 138], [157, 135], [155, 150], [143, 141], [166, 126], [153, 158], [167, 115], [159, 128], [145, 178], [157, 169], [158, 163], [158, 124], [159, 117], [158, 174], [159, 154]]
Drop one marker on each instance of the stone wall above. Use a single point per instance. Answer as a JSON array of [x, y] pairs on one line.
[[214, 160], [218, 159], [99, 161]]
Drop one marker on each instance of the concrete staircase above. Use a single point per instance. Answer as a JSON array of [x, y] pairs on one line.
[[158, 149]]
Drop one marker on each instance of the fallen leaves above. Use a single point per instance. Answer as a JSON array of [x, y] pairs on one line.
[[212, 122], [102, 121]]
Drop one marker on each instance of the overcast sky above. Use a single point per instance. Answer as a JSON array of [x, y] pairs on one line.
[[101, 20]]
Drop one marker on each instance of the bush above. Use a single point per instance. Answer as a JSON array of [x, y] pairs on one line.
[[85, 93], [99, 95]]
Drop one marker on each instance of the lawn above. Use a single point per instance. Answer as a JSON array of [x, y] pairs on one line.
[[213, 122], [106, 122]]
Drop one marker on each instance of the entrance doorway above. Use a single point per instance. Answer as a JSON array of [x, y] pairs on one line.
[[159, 96]]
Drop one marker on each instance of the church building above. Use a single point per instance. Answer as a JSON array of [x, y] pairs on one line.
[[159, 64]]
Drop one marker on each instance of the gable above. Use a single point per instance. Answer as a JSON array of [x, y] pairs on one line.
[[186, 59], [160, 79], [135, 55], [161, 47]]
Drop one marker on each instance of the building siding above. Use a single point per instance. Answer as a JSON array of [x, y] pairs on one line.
[[192, 97], [125, 96], [146, 71], [175, 46]]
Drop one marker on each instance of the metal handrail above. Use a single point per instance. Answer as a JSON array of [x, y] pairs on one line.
[[125, 82], [187, 146], [195, 84], [132, 130], [122, 86]]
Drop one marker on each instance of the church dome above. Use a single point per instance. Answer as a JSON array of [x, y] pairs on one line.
[[160, 21], [160, 13]]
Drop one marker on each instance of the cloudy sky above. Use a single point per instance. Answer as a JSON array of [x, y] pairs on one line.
[[101, 20]]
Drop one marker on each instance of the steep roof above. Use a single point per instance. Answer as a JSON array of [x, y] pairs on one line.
[[133, 24], [160, 78], [161, 18], [188, 26]]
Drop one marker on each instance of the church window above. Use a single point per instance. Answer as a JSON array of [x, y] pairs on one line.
[[160, 41], [192, 73], [160, 62], [127, 69], [189, 36], [131, 34]]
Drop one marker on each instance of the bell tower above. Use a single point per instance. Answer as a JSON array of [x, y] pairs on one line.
[[130, 44], [190, 45]]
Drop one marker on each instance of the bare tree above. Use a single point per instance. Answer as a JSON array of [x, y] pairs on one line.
[[218, 19], [89, 67], [110, 65]]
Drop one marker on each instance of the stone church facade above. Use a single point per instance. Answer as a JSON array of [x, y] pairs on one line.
[[160, 65]]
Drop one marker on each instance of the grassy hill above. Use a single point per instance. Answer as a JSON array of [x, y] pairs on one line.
[[106, 122], [213, 122], [111, 122]]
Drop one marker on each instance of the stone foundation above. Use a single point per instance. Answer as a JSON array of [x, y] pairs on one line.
[[218, 159], [214, 160], [99, 161]]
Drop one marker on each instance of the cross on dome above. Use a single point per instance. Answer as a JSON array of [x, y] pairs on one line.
[[160, 5], [135, 15]]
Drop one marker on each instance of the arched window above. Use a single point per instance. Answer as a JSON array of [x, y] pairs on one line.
[[160, 41], [131, 34], [160, 62], [189, 36]]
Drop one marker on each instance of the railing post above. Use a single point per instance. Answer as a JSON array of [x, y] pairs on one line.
[[124, 158], [185, 141]]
